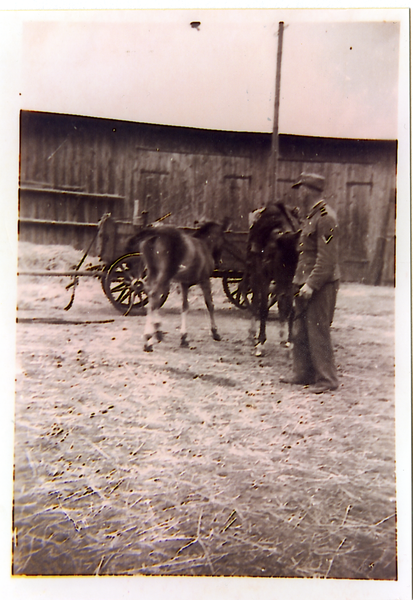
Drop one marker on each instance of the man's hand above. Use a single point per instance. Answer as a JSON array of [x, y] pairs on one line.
[[306, 292]]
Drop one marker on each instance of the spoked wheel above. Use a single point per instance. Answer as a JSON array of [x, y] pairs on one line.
[[124, 285], [272, 298], [233, 289]]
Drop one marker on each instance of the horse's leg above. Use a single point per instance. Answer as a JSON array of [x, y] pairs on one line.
[[206, 288], [150, 288], [185, 308], [254, 307], [256, 279], [290, 329], [252, 331], [157, 325], [263, 314], [161, 290], [285, 311], [153, 318], [149, 328], [283, 319]]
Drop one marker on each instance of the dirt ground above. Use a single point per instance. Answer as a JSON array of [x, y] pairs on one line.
[[197, 461]]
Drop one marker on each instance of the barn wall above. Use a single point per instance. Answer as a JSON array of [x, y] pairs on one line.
[[361, 187], [74, 169]]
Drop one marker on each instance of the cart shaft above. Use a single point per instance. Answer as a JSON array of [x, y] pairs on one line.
[[62, 273]]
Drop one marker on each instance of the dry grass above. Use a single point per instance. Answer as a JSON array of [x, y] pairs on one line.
[[198, 462]]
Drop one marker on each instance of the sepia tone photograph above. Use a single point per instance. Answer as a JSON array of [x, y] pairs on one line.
[[210, 377]]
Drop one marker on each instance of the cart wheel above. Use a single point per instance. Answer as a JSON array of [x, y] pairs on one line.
[[124, 285], [233, 290], [272, 298]]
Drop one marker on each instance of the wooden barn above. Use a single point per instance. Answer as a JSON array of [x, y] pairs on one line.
[[74, 169]]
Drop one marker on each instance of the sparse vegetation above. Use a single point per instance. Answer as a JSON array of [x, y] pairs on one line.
[[197, 461]]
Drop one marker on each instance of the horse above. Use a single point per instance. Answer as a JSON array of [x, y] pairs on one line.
[[272, 256], [188, 258]]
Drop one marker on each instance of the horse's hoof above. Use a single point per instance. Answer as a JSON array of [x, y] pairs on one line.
[[184, 342], [216, 336], [159, 335], [258, 351]]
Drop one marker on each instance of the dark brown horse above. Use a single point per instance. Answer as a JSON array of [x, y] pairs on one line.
[[272, 256], [189, 258]]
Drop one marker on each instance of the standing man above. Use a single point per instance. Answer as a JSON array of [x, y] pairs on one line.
[[317, 281]]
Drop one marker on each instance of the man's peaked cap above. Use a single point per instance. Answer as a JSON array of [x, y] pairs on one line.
[[311, 180]]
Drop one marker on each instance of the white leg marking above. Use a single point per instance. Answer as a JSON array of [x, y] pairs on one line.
[[252, 331], [183, 322]]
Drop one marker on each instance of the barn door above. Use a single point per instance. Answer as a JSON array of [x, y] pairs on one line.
[[354, 231], [153, 194], [236, 196]]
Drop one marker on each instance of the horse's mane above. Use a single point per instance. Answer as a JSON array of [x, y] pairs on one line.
[[289, 213], [163, 231], [205, 228]]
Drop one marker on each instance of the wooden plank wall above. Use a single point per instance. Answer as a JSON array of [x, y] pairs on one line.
[[361, 187], [67, 177], [74, 169]]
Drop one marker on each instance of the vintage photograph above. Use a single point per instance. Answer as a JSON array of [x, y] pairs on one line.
[[206, 332]]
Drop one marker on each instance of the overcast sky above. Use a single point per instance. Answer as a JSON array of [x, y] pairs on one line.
[[339, 75]]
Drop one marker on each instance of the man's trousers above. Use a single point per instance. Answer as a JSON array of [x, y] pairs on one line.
[[313, 357]]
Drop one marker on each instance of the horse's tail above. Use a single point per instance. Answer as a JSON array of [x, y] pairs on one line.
[[163, 248], [134, 242]]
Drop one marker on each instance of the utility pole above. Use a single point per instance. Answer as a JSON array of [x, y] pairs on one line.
[[275, 145]]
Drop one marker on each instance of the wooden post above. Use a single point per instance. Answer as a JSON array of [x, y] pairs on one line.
[[274, 145], [136, 220]]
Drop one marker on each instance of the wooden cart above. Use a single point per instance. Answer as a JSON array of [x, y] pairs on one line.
[[123, 275]]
